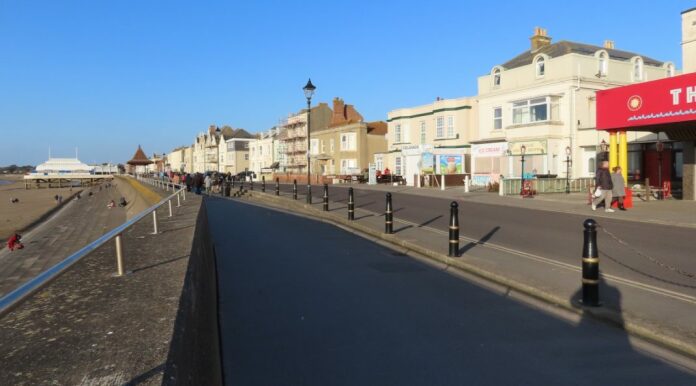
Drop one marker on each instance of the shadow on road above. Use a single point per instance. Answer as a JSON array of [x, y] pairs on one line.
[[483, 240], [429, 221]]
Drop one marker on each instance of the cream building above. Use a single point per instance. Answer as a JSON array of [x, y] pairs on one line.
[[348, 145], [235, 157], [206, 150], [689, 40], [177, 161], [432, 138], [263, 154], [544, 100]]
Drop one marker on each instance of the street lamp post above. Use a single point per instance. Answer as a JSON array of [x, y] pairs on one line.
[[523, 150], [309, 92], [567, 190], [659, 146]]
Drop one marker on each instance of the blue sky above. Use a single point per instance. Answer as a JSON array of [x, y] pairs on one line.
[[105, 76]]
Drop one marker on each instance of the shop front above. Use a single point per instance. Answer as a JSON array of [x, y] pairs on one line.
[[487, 161], [666, 107]]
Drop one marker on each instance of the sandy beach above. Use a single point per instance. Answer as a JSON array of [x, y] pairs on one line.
[[33, 203]]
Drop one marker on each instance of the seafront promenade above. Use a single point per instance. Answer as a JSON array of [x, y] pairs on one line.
[[88, 327]]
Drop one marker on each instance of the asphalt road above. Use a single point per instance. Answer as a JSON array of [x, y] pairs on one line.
[[552, 235], [306, 303]]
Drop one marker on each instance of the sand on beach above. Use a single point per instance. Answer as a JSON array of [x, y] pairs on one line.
[[33, 203]]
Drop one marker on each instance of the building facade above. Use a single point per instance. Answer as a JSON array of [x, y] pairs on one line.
[[263, 155], [429, 139], [295, 136], [543, 101], [349, 144]]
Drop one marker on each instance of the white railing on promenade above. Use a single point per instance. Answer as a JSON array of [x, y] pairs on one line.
[[512, 186]]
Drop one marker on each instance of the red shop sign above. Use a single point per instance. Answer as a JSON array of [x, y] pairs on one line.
[[659, 102]]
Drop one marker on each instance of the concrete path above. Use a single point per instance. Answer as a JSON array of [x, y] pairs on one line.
[[74, 226], [302, 302]]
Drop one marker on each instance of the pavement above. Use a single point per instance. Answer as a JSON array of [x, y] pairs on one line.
[[305, 302], [88, 327], [535, 249]]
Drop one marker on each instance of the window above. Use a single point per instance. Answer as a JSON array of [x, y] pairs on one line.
[[497, 118], [323, 148], [440, 127], [246, 145], [246, 157], [397, 133], [591, 165], [348, 142], [540, 68], [422, 132], [603, 64], [314, 146], [496, 77], [532, 110], [348, 166], [670, 70], [450, 126], [331, 145], [637, 69], [397, 166]]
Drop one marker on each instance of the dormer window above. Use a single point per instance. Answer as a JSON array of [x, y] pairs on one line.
[[540, 67], [602, 64], [496, 77], [637, 69]]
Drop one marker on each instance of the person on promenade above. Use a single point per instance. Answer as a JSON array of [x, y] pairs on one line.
[[14, 242], [122, 202], [111, 204], [619, 190], [208, 183], [198, 183], [603, 187], [187, 181]]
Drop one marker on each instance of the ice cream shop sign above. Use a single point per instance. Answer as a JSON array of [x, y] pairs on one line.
[[669, 100]]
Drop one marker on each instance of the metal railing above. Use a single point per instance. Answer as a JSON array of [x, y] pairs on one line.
[[513, 186], [17, 295]]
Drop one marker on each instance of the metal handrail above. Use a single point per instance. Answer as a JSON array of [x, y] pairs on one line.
[[17, 295]]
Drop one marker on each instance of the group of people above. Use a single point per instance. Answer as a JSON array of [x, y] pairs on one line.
[[610, 188], [58, 198]]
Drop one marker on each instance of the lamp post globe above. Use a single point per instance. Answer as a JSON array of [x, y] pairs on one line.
[[309, 92]]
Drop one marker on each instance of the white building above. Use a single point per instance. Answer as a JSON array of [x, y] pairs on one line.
[[263, 152], [429, 139], [544, 99]]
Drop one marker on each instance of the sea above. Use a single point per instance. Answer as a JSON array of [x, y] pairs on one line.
[[5, 182]]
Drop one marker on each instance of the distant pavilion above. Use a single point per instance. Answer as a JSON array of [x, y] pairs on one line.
[[63, 172], [138, 164]]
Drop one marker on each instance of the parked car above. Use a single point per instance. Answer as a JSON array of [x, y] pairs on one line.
[[245, 175]]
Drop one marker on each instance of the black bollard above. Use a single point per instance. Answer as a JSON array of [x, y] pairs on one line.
[[351, 205], [590, 265], [454, 230], [251, 184], [326, 197], [263, 184], [233, 182], [294, 189], [277, 186], [388, 216]]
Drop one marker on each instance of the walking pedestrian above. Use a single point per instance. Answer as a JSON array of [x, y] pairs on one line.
[[603, 187], [619, 190], [208, 183]]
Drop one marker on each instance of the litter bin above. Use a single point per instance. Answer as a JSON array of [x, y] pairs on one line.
[[628, 200]]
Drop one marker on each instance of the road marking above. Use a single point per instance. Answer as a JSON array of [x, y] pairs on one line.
[[628, 282]]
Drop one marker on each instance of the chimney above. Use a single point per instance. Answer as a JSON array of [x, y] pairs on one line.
[[609, 44], [339, 111], [540, 39]]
